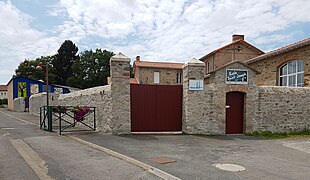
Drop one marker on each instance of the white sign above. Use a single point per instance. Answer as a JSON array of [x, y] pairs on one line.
[[196, 85], [236, 76]]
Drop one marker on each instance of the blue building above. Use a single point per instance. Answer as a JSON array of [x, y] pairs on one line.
[[25, 87]]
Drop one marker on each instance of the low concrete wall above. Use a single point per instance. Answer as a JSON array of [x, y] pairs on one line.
[[19, 104], [282, 109]]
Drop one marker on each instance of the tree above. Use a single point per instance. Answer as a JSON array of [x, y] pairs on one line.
[[91, 69], [27, 68], [64, 59]]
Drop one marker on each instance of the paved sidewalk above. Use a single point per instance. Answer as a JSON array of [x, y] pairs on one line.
[[196, 156]]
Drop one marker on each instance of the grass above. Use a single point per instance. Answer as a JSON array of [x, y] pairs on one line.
[[276, 135]]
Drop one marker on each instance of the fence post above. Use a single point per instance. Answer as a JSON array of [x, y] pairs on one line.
[[49, 119]]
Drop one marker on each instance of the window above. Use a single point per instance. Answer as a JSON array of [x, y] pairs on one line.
[[156, 77], [179, 78], [292, 74], [207, 67]]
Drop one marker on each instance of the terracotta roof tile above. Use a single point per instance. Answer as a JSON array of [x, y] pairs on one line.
[[281, 50], [3, 87], [158, 64], [133, 81], [226, 46]]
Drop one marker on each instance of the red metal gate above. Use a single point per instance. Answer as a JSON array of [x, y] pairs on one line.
[[156, 108], [234, 112]]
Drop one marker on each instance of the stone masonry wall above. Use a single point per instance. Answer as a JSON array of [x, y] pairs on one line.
[[99, 97], [19, 104], [112, 101], [38, 100], [282, 109]]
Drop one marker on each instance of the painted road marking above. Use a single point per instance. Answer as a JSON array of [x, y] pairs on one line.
[[32, 158]]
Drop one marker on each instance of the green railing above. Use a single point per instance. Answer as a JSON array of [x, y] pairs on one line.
[[67, 117]]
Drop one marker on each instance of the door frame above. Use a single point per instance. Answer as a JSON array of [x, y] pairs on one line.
[[243, 111]]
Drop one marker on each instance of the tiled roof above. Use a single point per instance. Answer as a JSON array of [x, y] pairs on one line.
[[281, 50], [3, 87], [228, 45], [133, 81], [158, 64]]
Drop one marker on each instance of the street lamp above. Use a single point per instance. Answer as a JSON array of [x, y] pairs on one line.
[[49, 118]]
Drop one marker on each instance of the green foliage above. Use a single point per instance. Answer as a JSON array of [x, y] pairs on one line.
[[91, 69], [5, 101], [271, 135], [64, 59], [27, 68]]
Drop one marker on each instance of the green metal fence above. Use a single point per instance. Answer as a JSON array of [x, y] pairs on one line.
[[65, 117]]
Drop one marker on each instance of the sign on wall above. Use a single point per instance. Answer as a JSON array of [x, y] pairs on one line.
[[22, 91], [236, 76], [34, 88], [195, 85]]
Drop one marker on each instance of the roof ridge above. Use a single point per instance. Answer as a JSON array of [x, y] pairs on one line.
[[227, 45], [280, 50]]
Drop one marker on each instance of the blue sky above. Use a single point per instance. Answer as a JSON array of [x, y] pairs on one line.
[[156, 30]]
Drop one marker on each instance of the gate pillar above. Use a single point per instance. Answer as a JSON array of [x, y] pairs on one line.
[[120, 94], [193, 71]]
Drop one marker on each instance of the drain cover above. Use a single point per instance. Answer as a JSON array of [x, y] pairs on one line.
[[163, 160], [229, 167]]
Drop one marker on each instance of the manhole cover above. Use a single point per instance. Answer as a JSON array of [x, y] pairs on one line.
[[229, 167], [163, 160]]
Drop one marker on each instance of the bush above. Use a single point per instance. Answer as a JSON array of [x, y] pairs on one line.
[[5, 101]]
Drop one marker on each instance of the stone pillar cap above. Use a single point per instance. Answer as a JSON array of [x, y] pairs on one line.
[[194, 62], [120, 57]]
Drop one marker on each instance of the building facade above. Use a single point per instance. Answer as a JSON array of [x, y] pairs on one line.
[[3, 92], [25, 87], [157, 73]]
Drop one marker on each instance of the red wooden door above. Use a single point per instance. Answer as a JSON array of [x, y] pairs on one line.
[[234, 112], [156, 108]]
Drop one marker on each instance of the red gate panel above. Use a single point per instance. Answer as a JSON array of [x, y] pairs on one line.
[[156, 108]]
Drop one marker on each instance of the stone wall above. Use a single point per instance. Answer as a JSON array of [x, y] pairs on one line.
[[198, 106], [112, 101], [38, 100], [282, 109], [266, 108], [19, 104]]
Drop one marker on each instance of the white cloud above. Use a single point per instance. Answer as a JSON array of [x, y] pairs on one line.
[[179, 30], [174, 30], [18, 40]]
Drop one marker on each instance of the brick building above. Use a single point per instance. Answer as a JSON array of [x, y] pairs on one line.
[[3, 92], [162, 73]]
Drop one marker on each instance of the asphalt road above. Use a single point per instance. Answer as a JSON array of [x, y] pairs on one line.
[[29, 153], [195, 157]]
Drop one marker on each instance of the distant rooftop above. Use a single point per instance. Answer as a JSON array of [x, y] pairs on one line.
[[3, 87], [166, 65]]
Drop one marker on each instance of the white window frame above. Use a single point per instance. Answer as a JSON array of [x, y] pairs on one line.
[[287, 75], [156, 77], [179, 78]]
